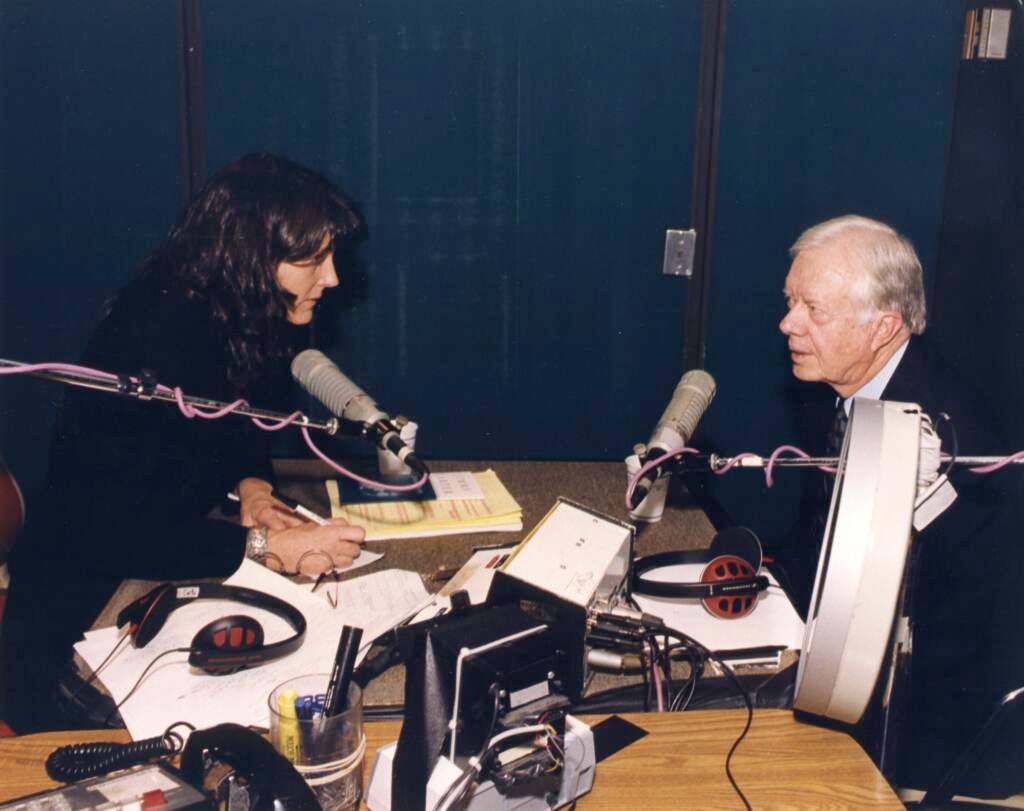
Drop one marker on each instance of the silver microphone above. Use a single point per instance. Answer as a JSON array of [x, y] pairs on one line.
[[691, 398], [321, 377]]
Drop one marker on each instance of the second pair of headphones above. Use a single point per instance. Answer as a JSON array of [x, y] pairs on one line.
[[729, 583], [225, 645]]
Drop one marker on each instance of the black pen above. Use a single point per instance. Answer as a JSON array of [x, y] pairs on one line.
[[488, 547], [336, 699], [292, 505], [298, 508]]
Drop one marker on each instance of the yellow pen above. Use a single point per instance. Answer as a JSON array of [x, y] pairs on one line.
[[288, 726]]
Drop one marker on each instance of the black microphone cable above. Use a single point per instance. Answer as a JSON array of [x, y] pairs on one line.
[[655, 625], [739, 688], [95, 673], [140, 679]]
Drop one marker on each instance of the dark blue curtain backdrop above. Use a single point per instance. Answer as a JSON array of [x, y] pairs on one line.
[[827, 108], [90, 179], [518, 164], [979, 289]]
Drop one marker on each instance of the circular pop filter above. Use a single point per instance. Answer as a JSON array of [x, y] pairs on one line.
[[863, 557]]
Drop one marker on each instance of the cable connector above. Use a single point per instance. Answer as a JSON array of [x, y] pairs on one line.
[[602, 636], [614, 662], [629, 617]]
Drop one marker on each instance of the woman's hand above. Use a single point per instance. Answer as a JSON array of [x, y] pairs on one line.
[[336, 540], [260, 509]]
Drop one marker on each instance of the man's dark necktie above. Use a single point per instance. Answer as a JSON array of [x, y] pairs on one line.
[[802, 561], [836, 432], [833, 447]]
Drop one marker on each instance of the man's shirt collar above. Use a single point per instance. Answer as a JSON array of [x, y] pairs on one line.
[[875, 386]]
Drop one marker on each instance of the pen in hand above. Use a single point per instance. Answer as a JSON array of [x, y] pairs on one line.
[[298, 508], [292, 505]]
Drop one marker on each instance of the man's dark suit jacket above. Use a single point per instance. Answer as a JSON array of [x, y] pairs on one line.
[[966, 567]]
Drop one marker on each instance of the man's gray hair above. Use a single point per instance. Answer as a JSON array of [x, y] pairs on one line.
[[893, 278]]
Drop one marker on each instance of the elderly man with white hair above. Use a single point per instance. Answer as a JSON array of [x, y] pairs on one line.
[[856, 321], [855, 296]]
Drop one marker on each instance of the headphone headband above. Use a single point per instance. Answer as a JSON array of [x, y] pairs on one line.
[[148, 614], [660, 588], [739, 542]]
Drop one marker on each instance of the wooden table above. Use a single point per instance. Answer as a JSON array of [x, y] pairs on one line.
[[782, 763]]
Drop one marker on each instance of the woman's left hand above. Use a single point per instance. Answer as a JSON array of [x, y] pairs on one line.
[[259, 508]]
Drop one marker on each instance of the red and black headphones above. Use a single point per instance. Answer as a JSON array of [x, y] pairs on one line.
[[730, 582], [225, 645]]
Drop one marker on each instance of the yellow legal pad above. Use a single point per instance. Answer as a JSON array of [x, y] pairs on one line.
[[497, 511]]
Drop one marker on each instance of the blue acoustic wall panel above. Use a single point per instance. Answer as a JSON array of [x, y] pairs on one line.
[[518, 164], [979, 288], [827, 108], [90, 167]]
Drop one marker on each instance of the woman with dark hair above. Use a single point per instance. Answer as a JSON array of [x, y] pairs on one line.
[[218, 310]]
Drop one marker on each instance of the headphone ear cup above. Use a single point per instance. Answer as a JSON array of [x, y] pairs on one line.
[[740, 542], [234, 633], [725, 568]]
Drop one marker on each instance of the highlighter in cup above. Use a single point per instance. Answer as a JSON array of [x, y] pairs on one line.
[[327, 752]]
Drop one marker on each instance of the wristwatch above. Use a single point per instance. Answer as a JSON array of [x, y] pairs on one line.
[[256, 545]]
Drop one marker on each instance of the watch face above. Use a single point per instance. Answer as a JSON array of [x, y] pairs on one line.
[[256, 544]]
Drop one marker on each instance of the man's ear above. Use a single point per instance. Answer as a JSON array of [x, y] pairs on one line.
[[888, 325]]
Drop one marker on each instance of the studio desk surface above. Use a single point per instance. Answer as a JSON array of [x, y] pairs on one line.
[[535, 485], [680, 764]]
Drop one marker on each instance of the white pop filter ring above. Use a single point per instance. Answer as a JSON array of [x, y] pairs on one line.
[[863, 557]]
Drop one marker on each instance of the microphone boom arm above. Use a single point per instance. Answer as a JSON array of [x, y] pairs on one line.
[[138, 388], [716, 462]]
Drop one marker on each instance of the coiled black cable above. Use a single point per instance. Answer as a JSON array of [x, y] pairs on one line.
[[81, 760]]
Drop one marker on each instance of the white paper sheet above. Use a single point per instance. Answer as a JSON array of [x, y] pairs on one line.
[[390, 593], [773, 621], [448, 486], [173, 691], [365, 558]]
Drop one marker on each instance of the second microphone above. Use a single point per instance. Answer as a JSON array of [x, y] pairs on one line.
[[691, 398]]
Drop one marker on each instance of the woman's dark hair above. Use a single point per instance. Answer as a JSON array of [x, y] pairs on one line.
[[255, 213]]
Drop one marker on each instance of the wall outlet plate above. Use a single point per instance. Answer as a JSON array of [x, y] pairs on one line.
[[679, 250]]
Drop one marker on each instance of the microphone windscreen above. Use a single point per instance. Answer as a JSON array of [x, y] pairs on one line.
[[691, 398], [319, 375]]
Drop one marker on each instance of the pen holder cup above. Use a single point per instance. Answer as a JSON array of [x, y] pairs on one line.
[[327, 752]]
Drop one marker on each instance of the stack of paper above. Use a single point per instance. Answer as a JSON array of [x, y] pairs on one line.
[[172, 691], [493, 511]]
